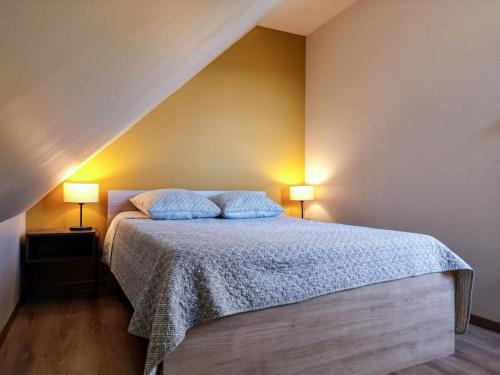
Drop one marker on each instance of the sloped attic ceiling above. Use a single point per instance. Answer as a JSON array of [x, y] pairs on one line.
[[304, 16], [75, 75]]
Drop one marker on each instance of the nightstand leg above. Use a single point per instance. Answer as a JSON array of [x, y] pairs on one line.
[[96, 269]]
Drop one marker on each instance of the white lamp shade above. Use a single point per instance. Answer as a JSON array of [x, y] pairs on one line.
[[302, 193], [81, 192]]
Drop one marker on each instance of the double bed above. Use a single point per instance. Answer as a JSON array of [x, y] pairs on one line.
[[282, 295]]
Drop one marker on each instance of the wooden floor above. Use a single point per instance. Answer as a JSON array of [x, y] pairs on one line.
[[72, 336], [82, 336]]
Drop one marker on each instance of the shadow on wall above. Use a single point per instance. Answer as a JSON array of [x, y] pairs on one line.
[[491, 131], [292, 208]]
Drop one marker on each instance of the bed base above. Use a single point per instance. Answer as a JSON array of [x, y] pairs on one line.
[[374, 329]]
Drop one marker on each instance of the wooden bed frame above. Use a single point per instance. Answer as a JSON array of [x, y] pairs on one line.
[[374, 329]]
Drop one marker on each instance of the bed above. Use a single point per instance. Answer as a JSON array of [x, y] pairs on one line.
[[284, 296]]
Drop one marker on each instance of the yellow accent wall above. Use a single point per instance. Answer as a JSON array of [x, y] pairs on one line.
[[238, 124]]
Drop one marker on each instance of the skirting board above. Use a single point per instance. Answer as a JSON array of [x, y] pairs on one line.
[[485, 323], [8, 324]]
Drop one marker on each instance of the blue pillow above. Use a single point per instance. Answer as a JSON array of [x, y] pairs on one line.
[[246, 205], [175, 204]]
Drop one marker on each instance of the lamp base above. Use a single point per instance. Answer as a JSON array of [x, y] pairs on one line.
[[76, 228]]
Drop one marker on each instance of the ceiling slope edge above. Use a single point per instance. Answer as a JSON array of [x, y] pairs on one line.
[[75, 76]]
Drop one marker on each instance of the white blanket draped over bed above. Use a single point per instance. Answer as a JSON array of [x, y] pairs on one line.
[[178, 273]]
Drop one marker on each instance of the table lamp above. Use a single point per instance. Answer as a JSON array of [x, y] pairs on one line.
[[81, 193], [302, 193]]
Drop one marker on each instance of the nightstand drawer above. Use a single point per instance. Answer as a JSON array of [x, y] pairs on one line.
[[49, 248]]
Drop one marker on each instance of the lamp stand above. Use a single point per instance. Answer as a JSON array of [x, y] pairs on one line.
[[81, 227], [301, 209]]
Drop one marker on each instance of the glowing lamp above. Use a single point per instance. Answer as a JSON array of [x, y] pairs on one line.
[[302, 193], [81, 193]]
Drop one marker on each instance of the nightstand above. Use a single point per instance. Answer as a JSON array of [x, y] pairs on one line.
[[60, 260]]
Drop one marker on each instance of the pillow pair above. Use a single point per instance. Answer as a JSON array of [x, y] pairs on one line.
[[178, 204]]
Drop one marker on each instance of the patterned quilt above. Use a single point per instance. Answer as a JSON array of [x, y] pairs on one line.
[[179, 273]]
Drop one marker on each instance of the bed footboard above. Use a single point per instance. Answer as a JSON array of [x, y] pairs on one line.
[[374, 329]]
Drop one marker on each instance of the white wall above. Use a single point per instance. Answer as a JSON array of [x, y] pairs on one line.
[[11, 232], [403, 125]]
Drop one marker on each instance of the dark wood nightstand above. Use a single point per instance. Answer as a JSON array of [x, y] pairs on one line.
[[59, 260]]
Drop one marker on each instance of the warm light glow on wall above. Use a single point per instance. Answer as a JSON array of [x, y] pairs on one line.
[[263, 151], [69, 171], [317, 211], [81, 193], [288, 173], [318, 173]]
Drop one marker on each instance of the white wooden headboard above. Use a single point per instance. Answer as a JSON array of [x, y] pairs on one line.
[[118, 200]]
